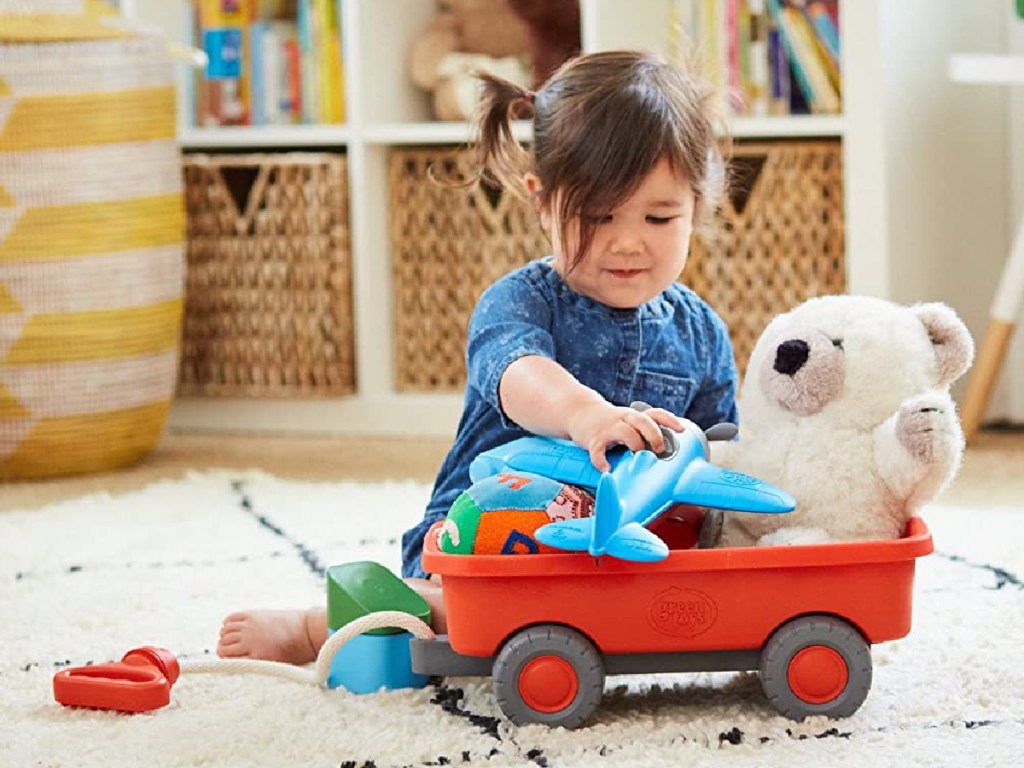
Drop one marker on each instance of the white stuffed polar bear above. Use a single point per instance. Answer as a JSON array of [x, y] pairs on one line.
[[846, 405]]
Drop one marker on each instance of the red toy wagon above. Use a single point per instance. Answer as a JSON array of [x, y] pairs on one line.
[[548, 628]]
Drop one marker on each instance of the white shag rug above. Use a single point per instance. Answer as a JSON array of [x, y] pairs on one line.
[[86, 580]]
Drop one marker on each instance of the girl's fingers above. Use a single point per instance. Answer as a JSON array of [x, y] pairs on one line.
[[645, 428], [636, 430], [621, 433], [665, 418], [629, 434], [649, 432]]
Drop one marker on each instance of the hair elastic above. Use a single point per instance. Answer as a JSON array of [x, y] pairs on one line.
[[528, 97]]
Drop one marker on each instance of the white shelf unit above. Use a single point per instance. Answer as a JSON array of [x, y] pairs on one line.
[[385, 109], [429, 132]]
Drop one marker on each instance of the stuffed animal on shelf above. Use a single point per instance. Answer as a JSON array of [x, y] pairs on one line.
[[466, 36], [845, 403], [554, 27]]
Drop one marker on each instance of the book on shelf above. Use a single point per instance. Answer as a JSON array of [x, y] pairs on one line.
[[805, 58], [767, 56], [822, 15], [271, 62], [221, 91], [780, 101]]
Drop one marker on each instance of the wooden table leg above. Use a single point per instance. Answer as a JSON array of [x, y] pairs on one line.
[[1006, 307], [984, 375]]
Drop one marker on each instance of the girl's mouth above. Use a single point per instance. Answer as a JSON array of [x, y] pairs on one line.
[[624, 274]]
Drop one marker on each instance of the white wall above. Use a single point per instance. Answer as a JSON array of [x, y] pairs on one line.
[[946, 156], [1008, 399]]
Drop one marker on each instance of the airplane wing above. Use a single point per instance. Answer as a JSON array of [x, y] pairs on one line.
[[559, 460], [707, 485]]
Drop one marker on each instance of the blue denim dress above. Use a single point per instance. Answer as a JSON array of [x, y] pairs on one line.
[[672, 352]]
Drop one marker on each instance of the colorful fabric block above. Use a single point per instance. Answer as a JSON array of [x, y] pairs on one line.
[[500, 514]]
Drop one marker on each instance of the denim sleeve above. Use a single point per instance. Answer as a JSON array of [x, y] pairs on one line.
[[511, 320], [716, 399], [412, 548]]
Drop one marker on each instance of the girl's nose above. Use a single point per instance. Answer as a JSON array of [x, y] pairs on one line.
[[626, 242]]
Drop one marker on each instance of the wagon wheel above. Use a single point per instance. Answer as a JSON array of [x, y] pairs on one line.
[[816, 665], [548, 674]]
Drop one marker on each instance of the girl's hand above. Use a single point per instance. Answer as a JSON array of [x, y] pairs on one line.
[[597, 427]]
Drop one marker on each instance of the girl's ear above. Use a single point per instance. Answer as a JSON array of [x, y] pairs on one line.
[[532, 183], [534, 189]]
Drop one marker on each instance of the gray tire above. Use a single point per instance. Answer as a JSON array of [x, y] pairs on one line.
[[548, 674], [711, 529], [816, 665]]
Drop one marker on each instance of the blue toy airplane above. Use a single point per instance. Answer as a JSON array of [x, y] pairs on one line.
[[638, 488]]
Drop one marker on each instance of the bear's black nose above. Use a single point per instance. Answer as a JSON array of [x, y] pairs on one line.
[[791, 355]]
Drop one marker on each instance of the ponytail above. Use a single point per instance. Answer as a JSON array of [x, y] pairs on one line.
[[500, 157]]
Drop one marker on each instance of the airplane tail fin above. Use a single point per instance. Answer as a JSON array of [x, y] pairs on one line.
[[635, 543], [631, 542], [571, 535], [607, 513]]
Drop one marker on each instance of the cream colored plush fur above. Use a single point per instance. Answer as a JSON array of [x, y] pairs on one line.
[[846, 405]]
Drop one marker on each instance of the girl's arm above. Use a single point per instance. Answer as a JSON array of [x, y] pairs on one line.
[[544, 398], [716, 399]]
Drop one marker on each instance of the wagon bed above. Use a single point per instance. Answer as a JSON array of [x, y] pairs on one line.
[[697, 610]]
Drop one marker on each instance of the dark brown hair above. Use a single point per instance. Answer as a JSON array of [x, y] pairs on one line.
[[600, 124]]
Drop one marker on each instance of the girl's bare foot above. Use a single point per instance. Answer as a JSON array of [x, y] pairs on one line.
[[430, 590], [291, 636]]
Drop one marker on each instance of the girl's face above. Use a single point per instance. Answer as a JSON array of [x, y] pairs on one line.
[[638, 249]]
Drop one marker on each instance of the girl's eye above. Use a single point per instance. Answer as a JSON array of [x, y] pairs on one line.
[[659, 219]]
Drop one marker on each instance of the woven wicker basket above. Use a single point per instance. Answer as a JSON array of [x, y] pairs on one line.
[[448, 245], [91, 233], [269, 298], [778, 241]]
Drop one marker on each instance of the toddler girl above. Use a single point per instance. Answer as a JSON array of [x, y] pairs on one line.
[[624, 165]]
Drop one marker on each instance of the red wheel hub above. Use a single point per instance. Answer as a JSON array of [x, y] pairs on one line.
[[817, 674], [548, 684]]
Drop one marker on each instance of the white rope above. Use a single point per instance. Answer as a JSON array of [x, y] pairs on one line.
[[322, 668], [248, 666]]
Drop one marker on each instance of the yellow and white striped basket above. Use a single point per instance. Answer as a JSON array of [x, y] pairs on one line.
[[91, 239]]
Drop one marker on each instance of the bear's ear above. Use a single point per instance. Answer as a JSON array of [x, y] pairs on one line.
[[952, 342]]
